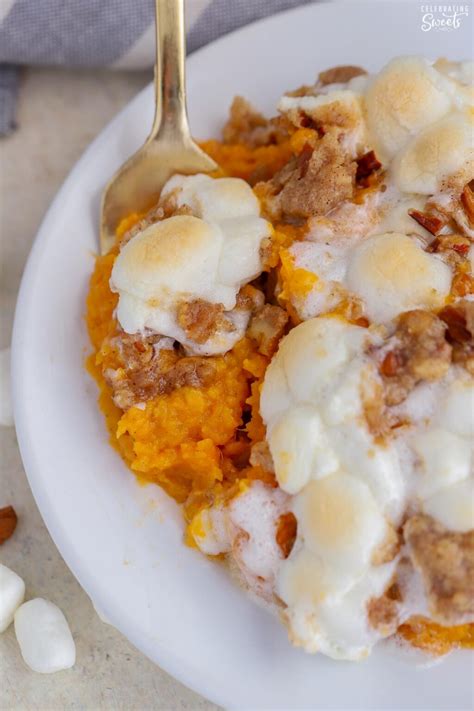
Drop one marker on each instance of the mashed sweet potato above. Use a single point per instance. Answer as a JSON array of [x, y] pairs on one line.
[[195, 442]]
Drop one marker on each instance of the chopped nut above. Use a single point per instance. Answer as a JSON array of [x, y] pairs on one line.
[[453, 247], [366, 165], [459, 319], [467, 199], [286, 533], [391, 364], [430, 222], [8, 521]]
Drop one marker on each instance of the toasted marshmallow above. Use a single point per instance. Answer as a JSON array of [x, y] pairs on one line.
[[176, 255], [407, 95], [345, 484], [12, 592], [439, 151], [392, 274], [340, 521], [209, 255], [307, 360], [45, 640], [211, 199]]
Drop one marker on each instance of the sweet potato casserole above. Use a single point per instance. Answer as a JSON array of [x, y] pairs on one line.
[[287, 348]]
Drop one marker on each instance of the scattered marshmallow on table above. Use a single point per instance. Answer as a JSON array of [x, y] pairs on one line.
[[44, 636], [12, 593]]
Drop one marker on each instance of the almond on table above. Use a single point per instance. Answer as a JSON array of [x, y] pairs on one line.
[[8, 522]]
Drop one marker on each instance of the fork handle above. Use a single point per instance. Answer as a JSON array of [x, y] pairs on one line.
[[170, 86]]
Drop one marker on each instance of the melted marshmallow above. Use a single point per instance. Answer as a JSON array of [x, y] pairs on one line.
[[208, 255], [407, 95], [444, 468], [345, 485], [418, 118]]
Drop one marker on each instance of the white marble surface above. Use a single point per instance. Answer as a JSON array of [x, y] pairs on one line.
[[60, 112]]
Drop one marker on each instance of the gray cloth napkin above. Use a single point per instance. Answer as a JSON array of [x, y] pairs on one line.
[[92, 33]]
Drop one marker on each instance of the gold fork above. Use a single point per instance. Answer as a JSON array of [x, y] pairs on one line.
[[169, 148]]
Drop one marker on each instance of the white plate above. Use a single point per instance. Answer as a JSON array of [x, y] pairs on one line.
[[122, 541]]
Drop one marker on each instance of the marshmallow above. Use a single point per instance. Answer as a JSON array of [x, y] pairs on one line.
[[45, 640], [12, 593], [392, 273], [208, 255], [439, 151], [407, 95], [344, 483]]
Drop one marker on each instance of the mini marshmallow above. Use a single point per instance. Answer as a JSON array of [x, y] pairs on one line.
[[407, 95], [299, 446], [12, 593], [340, 522], [213, 199], [207, 255], [345, 485], [45, 640], [392, 273], [439, 151]]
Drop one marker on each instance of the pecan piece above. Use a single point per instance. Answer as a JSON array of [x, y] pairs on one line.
[[459, 319], [430, 222], [286, 533], [467, 199], [366, 165], [8, 521]]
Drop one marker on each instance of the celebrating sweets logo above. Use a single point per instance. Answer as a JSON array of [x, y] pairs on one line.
[[442, 18]]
